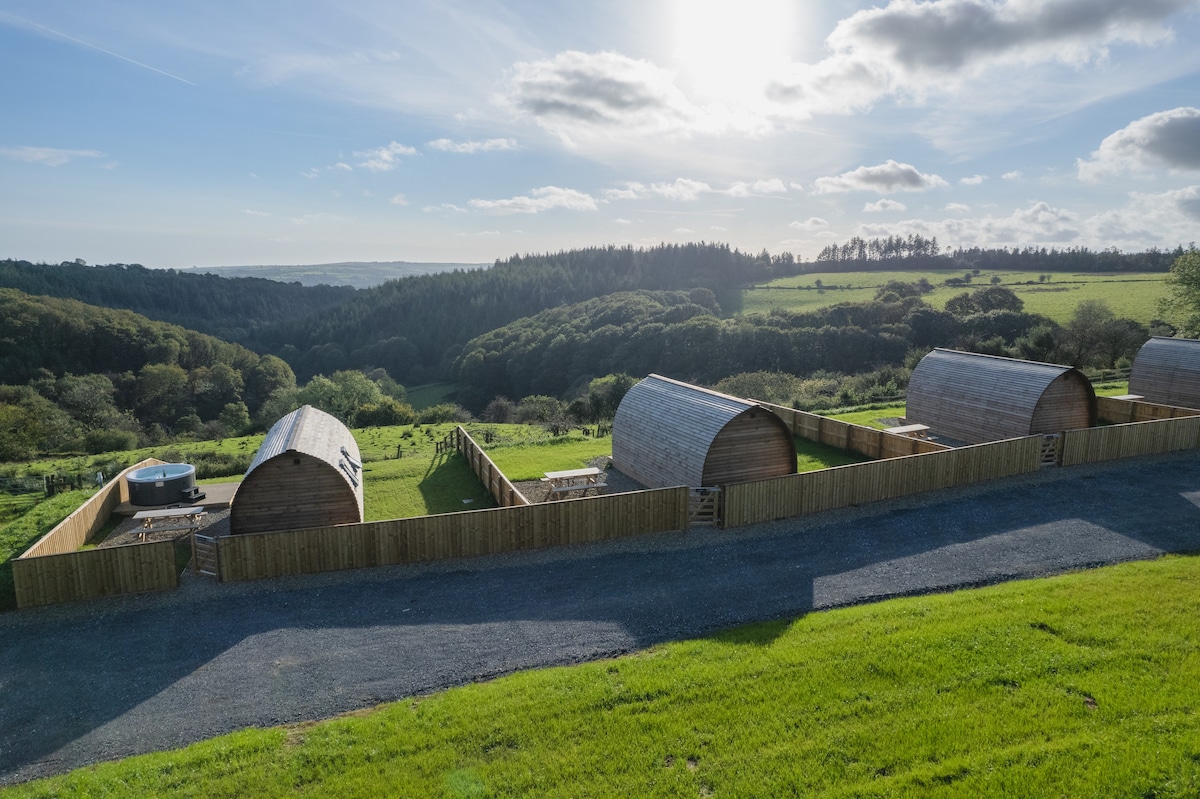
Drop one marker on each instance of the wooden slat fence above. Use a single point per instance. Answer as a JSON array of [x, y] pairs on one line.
[[499, 486], [128, 569], [1097, 444], [1120, 411], [856, 484], [858, 438], [55, 570], [72, 532], [452, 535]]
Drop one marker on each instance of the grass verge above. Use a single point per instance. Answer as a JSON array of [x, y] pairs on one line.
[[21, 533], [1086, 684]]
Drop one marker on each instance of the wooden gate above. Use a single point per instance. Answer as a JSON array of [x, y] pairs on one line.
[[1051, 449], [206, 558], [704, 507]]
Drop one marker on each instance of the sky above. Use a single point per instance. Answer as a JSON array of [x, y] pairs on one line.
[[314, 131]]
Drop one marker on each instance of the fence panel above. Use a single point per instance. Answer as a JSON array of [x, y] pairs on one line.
[[128, 569], [452, 535], [1096, 444], [843, 486], [1121, 411], [867, 441], [499, 486]]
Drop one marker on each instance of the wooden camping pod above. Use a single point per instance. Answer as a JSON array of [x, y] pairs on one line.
[[1167, 371], [668, 433], [307, 473], [977, 398]]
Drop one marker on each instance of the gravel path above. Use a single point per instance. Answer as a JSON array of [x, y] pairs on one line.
[[95, 681]]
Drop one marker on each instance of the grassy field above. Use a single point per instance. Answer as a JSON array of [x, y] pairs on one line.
[[1086, 684], [1130, 295], [422, 397], [21, 533]]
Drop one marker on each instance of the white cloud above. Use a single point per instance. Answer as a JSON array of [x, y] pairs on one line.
[[47, 156], [621, 221], [973, 180], [399, 199], [311, 173], [682, 189], [813, 224], [1016, 174], [574, 92], [472, 147], [684, 231], [384, 159], [252, 212], [957, 208], [343, 167], [543, 199], [911, 48], [1168, 139], [884, 205], [760, 187], [445, 207], [884, 178]]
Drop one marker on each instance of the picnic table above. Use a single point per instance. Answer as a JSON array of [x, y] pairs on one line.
[[167, 519], [574, 480], [911, 430]]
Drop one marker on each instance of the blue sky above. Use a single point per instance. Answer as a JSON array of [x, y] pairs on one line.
[[179, 134]]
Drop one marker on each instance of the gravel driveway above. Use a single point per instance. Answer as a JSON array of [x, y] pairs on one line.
[[105, 679]]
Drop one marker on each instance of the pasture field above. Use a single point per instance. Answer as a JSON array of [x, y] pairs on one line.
[[1084, 684], [430, 394], [1131, 295]]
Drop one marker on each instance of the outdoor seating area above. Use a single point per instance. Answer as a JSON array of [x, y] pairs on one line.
[[177, 520], [582, 480]]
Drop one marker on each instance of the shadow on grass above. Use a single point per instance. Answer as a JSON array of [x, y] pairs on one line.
[[449, 486]]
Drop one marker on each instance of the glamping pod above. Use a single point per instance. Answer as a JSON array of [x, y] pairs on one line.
[[668, 433], [1167, 371], [977, 398], [307, 473]]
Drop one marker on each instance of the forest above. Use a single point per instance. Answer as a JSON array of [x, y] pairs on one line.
[[552, 338]]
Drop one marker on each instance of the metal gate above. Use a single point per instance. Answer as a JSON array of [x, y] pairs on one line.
[[704, 507], [1051, 449], [206, 558]]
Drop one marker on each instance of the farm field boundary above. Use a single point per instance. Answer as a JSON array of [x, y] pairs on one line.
[[497, 484]]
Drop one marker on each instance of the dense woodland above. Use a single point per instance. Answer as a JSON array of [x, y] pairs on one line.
[[552, 338]]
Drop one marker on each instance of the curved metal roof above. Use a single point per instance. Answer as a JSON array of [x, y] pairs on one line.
[[1167, 371], [314, 432]]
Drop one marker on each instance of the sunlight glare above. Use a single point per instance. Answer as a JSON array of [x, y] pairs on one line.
[[727, 50]]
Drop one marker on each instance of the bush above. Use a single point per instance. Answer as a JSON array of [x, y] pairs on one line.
[[443, 413], [98, 441]]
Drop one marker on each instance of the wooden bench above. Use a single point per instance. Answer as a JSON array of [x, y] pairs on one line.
[[570, 480], [169, 520]]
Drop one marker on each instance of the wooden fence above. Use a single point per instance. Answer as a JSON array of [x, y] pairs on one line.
[[1122, 411], [55, 570], [499, 486], [452, 535], [858, 438], [843, 486], [1095, 444]]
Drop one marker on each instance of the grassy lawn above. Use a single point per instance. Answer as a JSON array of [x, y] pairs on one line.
[[430, 394], [811, 456], [868, 416], [21, 533], [1086, 684], [1131, 295]]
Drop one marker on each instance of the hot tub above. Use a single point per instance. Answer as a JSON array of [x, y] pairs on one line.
[[161, 485]]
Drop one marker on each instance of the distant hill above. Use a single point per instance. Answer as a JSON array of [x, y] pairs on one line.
[[227, 308], [359, 274]]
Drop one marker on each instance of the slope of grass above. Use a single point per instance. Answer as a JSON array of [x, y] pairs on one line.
[[1131, 295], [1080, 685], [21, 533]]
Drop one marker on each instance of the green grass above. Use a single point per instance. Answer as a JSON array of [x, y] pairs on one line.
[[1086, 684], [430, 394], [868, 416], [21, 533], [1130, 295], [531, 461], [811, 456]]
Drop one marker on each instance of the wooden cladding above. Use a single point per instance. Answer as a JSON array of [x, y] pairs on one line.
[[668, 433], [977, 398], [866, 441], [499, 486], [452, 535], [1167, 371], [1130, 440], [843, 486]]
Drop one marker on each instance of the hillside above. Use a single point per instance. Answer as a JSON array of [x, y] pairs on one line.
[[229, 308], [358, 274]]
